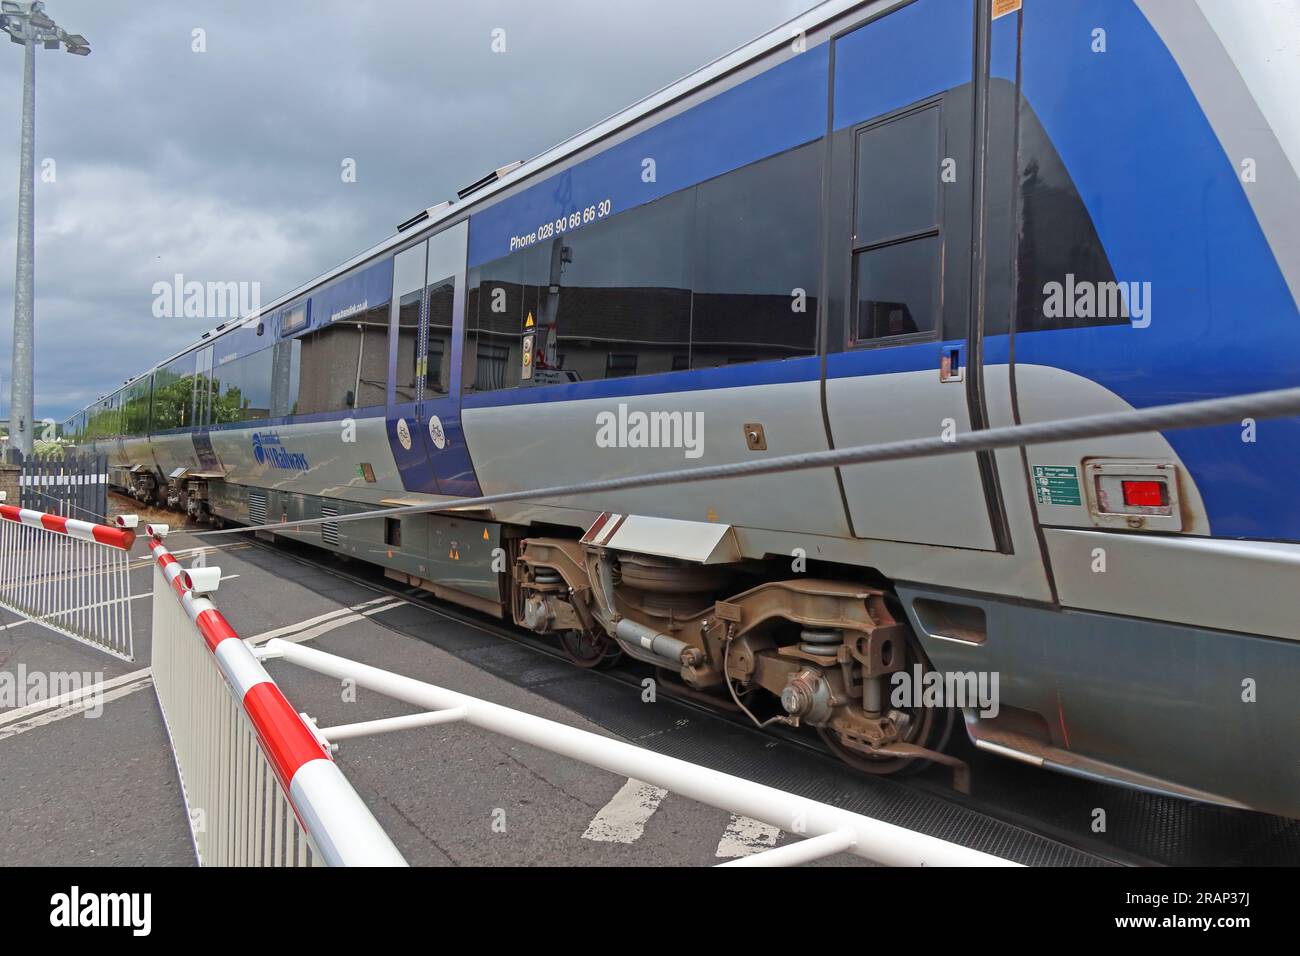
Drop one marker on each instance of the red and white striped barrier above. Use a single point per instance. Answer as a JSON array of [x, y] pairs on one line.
[[237, 815], [70, 576], [121, 537]]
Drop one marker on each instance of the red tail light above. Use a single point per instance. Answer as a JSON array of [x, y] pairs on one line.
[[1144, 494]]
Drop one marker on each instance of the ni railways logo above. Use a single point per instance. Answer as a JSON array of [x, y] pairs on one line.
[[269, 450]]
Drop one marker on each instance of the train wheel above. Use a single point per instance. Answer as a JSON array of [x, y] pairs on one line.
[[589, 650], [930, 728]]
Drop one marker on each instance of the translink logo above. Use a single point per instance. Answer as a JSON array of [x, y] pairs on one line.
[[269, 450]]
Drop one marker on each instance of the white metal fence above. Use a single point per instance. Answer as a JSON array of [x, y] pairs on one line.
[[259, 785], [70, 576]]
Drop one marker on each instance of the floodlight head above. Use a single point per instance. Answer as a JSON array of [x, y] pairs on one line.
[[42, 21], [79, 50]]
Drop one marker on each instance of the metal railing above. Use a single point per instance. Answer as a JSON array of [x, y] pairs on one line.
[[70, 576], [826, 830], [259, 785]]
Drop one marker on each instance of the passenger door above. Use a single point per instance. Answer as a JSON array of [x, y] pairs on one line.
[[426, 335], [900, 265]]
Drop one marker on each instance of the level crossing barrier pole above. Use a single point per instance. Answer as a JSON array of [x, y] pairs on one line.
[[260, 786], [827, 830], [70, 576]]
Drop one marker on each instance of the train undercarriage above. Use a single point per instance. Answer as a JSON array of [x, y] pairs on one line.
[[806, 652]]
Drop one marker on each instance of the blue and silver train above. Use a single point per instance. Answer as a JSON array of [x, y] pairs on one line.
[[884, 220]]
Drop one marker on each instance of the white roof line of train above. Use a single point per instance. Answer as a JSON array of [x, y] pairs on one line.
[[728, 62]]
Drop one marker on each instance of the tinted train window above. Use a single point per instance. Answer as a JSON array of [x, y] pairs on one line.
[[372, 382], [896, 245], [173, 395], [896, 289], [898, 178], [328, 365], [437, 374], [408, 290], [715, 274], [624, 299], [757, 240]]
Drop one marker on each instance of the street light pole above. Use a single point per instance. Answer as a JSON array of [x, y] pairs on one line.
[[26, 23], [20, 380]]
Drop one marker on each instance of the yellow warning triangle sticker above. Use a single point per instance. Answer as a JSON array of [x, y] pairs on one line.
[[529, 323]]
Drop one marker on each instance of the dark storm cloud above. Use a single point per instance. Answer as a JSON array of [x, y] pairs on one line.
[[225, 165]]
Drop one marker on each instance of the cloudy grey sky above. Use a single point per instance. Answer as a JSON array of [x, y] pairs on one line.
[[226, 165]]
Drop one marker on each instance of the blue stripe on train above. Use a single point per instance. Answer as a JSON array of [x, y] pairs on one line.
[[775, 111], [1169, 210]]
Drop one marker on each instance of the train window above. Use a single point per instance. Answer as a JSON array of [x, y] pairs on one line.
[[135, 409], [437, 364], [446, 260], [344, 365], [624, 286], [227, 392], [897, 244], [371, 385], [716, 274], [896, 289], [757, 261], [495, 332], [393, 532], [898, 178], [408, 292], [286, 359], [173, 395], [255, 382]]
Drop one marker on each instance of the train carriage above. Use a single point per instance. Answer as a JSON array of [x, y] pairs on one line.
[[884, 220]]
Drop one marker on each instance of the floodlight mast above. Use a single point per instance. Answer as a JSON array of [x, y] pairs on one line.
[[28, 24]]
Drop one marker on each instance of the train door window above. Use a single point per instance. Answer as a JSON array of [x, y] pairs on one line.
[[445, 264], [437, 364], [897, 249], [393, 532], [408, 293]]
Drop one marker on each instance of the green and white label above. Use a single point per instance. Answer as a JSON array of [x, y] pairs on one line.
[[1057, 485]]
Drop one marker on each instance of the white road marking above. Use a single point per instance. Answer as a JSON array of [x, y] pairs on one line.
[[44, 712], [314, 627], [40, 713], [623, 819], [746, 836]]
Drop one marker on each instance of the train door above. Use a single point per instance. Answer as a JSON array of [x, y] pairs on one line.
[[902, 361], [427, 328], [208, 462]]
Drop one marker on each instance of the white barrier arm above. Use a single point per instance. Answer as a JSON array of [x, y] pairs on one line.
[[860, 835]]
